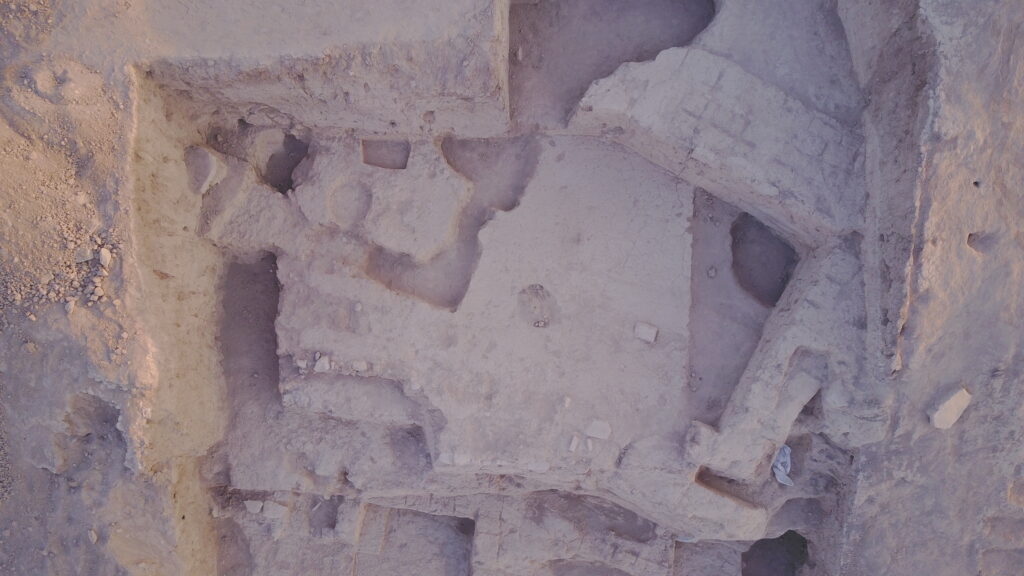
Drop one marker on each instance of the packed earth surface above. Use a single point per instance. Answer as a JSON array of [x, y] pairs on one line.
[[512, 287]]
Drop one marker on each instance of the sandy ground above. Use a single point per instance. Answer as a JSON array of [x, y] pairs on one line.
[[527, 287]]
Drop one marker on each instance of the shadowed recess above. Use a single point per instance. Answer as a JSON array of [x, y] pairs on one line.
[[761, 261], [391, 154], [591, 515], [281, 164], [557, 49], [782, 556]]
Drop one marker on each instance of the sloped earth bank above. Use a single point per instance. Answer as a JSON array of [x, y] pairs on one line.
[[536, 287]]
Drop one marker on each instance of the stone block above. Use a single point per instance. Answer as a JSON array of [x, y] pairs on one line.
[[949, 408], [646, 332]]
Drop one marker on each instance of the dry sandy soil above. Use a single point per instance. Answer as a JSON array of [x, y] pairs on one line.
[[512, 287]]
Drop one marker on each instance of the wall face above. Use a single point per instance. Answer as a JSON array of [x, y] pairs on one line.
[[955, 327], [536, 287]]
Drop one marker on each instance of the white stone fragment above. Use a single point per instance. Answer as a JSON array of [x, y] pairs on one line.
[[361, 366], [599, 429], [574, 443], [105, 257], [83, 254], [646, 332], [274, 510], [323, 364], [949, 410], [253, 506]]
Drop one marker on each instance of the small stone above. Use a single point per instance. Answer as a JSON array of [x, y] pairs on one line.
[[361, 366], [646, 332], [274, 510], [253, 506], [949, 410], [69, 307], [323, 364], [97, 292], [93, 536], [83, 254], [599, 429], [105, 257], [712, 271], [574, 443]]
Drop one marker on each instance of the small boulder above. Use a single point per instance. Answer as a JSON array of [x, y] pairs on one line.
[[105, 257], [646, 332], [949, 409], [323, 364]]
